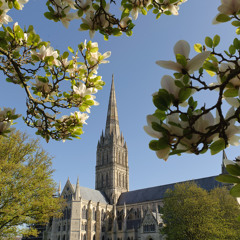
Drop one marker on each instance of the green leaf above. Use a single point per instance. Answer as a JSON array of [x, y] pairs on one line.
[[236, 43], [233, 169], [184, 117], [84, 26], [217, 146], [160, 114], [179, 83], [223, 18], [157, 145], [209, 42], [238, 31], [80, 12], [198, 47], [184, 94], [16, 5], [226, 178], [117, 32], [216, 40], [158, 15], [65, 55], [162, 100], [211, 73], [232, 50], [235, 191], [70, 50], [232, 92], [129, 33], [181, 60], [48, 15], [235, 23], [209, 66], [144, 12]]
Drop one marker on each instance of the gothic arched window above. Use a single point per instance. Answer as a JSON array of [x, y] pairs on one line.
[[84, 215], [94, 214], [106, 179], [119, 179]]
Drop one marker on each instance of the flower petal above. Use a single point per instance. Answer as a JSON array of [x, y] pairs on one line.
[[170, 65], [152, 132], [196, 62], [163, 153], [182, 47]]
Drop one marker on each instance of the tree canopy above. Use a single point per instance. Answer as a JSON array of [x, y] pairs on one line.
[[192, 213], [27, 191]]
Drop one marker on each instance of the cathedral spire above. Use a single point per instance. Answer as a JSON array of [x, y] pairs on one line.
[[112, 124]]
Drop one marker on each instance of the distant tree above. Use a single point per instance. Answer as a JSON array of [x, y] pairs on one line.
[[192, 213], [26, 187]]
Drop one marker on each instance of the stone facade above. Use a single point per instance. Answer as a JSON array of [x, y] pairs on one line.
[[111, 211]]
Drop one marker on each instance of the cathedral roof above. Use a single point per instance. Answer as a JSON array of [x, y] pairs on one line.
[[157, 193], [93, 195]]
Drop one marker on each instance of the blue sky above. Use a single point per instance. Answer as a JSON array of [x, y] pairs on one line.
[[136, 78]]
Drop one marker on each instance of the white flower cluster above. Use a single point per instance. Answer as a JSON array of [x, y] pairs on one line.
[[4, 8], [6, 117], [86, 10], [179, 132], [176, 131]]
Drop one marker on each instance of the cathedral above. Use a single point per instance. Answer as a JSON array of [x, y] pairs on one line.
[[111, 211]]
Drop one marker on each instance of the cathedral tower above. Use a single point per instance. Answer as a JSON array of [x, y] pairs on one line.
[[112, 172]]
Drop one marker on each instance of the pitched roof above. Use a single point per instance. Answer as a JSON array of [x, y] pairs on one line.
[[157, 193], [94, 195]]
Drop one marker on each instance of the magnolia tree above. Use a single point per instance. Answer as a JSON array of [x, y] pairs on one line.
[[179, 125], [42, 71]]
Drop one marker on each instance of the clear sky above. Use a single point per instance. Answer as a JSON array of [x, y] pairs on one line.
[[136, 78]]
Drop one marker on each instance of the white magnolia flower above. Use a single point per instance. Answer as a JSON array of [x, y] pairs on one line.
[[232, 129], [4, 126], [3, 113], [163, 153], [21, 3], [95, 57], [228, 7], [82, 117], [201, 126], [171, 7], [69, 17], [149, 130], [88, 20], [182, 47], [42, 86], [168, 83], [228, 162], [47, 52], [85, 3], [82, 90], [4, 18], [71, 3], [123, 22]]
